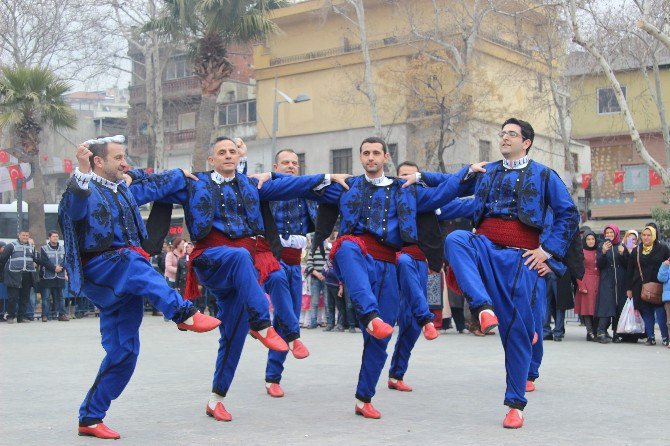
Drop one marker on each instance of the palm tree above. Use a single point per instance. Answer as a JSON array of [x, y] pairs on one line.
[[208, 28], [30, 99]]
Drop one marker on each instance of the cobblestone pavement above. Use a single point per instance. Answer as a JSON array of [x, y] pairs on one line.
[[588, 393]]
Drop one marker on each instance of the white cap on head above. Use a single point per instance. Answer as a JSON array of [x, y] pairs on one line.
[[119, 139]]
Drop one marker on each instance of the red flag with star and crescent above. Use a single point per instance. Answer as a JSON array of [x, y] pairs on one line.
[[14, 174], [618, 176], [654, 178], [586, 180]]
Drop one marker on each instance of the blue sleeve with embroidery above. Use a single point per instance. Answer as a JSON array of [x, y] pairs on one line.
[[451, 186], [434, 179], [458, 208], [288, 187], [75, 201], [156, 187], [566, 216], [330, 194]]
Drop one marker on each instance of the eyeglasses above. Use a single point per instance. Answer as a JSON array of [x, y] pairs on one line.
[[511, 134]]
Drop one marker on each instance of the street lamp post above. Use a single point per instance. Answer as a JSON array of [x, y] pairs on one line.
[[275, 112]]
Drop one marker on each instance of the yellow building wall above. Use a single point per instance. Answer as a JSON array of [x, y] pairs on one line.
[[588, 123], [331, 79]]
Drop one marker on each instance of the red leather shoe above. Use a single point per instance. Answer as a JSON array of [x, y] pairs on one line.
[[274, 390], [99, 430], [530, 386], [535, 338], [201, 323], [513, 419], [368, 411], [298, 349], [487, 320], [271, 340], [379, 329], [219, 413], [399, 385], [429, 331]]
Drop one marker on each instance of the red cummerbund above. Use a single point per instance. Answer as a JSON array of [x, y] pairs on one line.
[[291, 256], [510, 233], [414, 252]]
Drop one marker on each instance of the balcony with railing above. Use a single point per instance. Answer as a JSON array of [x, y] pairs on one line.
[[173, 140], [172, 89]]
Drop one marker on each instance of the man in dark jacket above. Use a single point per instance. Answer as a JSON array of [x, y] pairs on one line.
[[53, 282], [19, 261]]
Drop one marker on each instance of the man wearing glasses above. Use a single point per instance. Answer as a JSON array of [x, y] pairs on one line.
[[498, 267]]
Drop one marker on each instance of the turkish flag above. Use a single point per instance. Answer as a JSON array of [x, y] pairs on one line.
[[618, 176], [654, 179], [150, 170], [4, 156], [67, 165], [14, 174], [586, 180]]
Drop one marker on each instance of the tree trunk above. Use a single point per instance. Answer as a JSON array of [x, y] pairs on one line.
[[150, 108], [564, 130], [369, 83], [35, 199], [204, 132], [157, 79]]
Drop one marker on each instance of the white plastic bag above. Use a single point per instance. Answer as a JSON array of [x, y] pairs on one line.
[[630, 320]]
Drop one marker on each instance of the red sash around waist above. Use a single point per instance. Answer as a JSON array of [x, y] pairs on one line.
[[510, 233], [259, 249], [291, 256], [264, 260], [414, 252], [369, 245]]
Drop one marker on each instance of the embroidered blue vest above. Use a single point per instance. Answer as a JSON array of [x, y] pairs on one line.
[[93, 233], [351, 203], [538, 190], [199, 207], [294, 217]]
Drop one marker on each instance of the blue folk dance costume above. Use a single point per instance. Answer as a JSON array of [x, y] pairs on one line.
[[102, 230], [414, 312], [231, 207], [463, 208], [413, 283], [385, 212], [284, 285], [294, 219], [521, 193]]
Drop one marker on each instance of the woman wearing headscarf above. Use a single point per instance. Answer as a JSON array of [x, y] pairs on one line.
[[587, 288], [643, 265], [611, 257]]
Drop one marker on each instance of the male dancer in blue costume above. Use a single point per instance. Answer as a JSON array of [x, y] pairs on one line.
[[103, 230], [378, 217], [282, 282], [294, 220], [223, 215], [499, 264], [464, 208], [414, 313]]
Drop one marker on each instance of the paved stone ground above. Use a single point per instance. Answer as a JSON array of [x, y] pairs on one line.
[[587, 394]]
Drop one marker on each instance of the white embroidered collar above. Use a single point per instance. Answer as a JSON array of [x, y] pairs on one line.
[[381, 181], [516, 164], [105, 182], [220, 179]]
